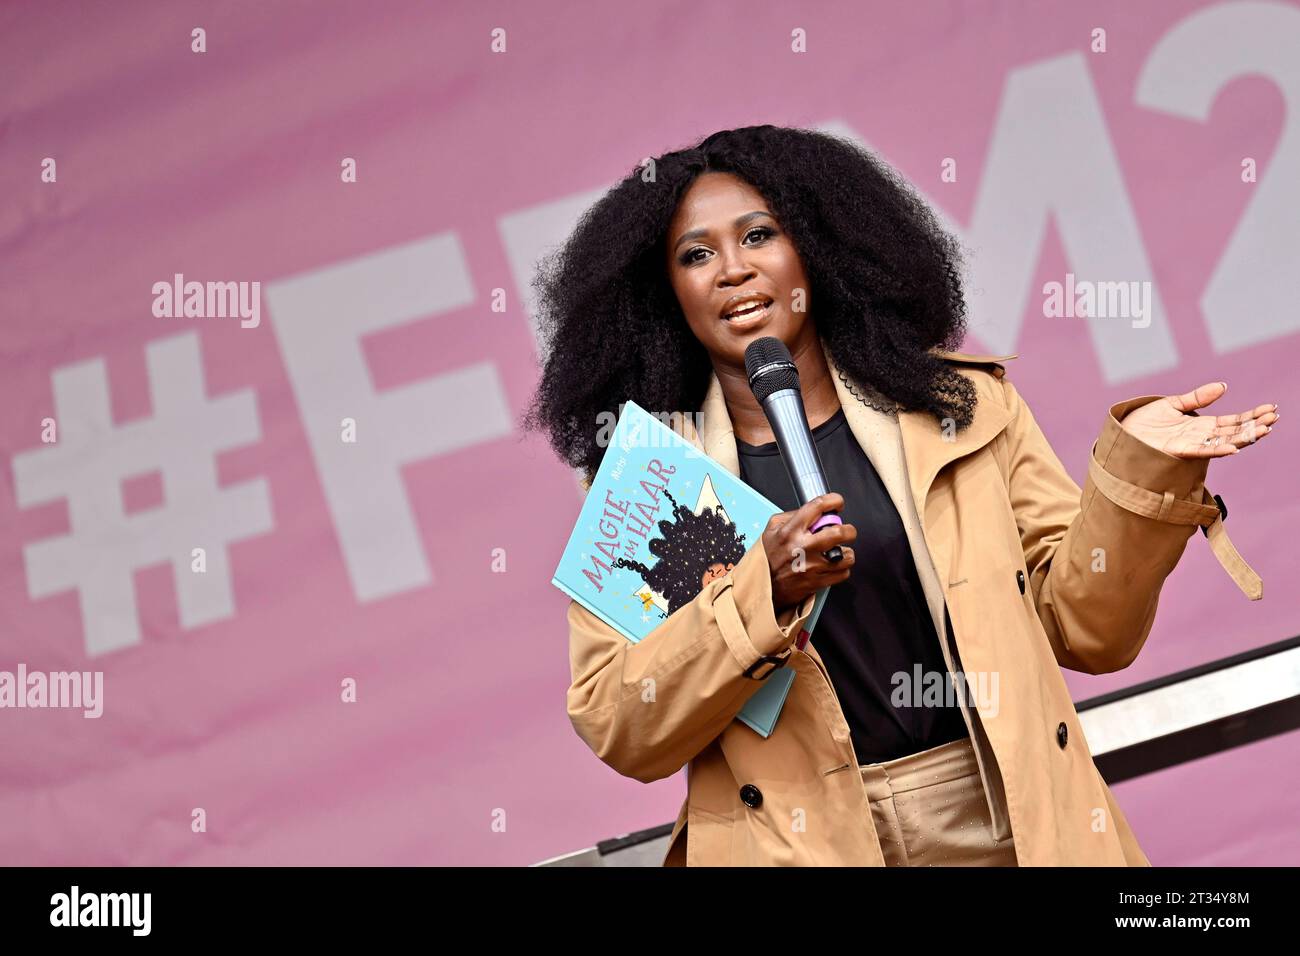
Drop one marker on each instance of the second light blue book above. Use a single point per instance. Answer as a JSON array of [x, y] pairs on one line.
[[660, 521]]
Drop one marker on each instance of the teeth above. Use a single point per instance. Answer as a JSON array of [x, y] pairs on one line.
[[748, 307]]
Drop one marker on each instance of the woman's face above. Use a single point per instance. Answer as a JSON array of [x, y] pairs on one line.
[[723, 242]]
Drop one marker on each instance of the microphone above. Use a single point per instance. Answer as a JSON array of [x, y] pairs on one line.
[[774, 380]]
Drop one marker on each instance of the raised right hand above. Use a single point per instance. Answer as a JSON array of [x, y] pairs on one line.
[[791, 547]]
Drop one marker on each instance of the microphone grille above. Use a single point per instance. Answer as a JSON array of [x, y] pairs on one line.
[[770, 368]]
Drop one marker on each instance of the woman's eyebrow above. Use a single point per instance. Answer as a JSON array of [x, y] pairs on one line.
[[701, 233]]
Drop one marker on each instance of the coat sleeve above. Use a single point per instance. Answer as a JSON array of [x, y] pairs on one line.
[[1096, 558], [647, 708]]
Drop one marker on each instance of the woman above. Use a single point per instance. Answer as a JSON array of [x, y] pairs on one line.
[[972, 561]]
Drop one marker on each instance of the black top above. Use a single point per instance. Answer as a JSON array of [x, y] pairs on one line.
[[876, 626]]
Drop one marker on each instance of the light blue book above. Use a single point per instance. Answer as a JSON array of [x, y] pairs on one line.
[[660, 521]]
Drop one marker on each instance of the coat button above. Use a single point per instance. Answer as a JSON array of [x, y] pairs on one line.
[[1020, 581], [750, 795], [1062, 735]]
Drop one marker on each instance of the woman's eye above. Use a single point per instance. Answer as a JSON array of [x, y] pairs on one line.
[[763, 232]]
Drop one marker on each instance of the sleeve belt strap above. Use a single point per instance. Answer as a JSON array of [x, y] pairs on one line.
[[1165, 507]]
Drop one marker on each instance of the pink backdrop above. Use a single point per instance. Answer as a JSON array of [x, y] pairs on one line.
[[375, 560]]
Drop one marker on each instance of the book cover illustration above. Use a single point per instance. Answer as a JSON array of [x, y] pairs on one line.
[[662, 520]]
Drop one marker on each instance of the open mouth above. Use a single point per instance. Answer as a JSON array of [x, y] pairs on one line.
[[748, 310]]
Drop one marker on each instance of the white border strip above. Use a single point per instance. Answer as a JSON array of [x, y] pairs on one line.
[[1192, 702]]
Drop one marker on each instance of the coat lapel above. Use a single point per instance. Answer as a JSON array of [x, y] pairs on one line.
[[716, 432], [928, 447]]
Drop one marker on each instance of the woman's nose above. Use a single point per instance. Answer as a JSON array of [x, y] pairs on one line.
[[735, 270]]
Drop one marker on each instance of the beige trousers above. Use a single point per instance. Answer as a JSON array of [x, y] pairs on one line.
[[929, 810]]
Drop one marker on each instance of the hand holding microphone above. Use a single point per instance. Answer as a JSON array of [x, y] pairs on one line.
[[774, 379], [798, 567]]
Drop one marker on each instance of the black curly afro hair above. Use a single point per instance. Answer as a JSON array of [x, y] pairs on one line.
[[885, 284], [690, 544]]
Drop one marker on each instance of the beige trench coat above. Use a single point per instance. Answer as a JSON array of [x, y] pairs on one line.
[[1006, 543]]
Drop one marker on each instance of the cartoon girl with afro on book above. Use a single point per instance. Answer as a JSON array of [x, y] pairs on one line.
[[694, 550]]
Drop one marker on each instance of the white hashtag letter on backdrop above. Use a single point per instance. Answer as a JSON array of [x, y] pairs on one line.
[[91, 459], [319, 319]]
